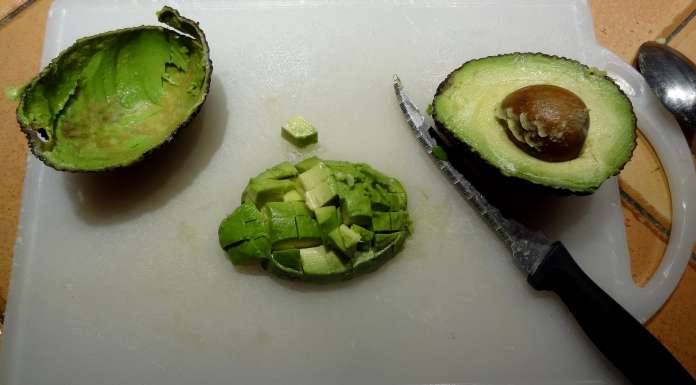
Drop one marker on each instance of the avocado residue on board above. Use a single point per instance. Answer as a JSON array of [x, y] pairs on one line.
[[110, 98], [318, 220]]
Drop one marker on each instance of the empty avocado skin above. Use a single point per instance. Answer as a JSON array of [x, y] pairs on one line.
[[464, 111], [352, 220], [110, 99]]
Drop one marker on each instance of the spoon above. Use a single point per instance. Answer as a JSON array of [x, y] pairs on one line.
[[672, 76]]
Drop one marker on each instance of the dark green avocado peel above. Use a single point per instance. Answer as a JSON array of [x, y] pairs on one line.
[[111, 98]]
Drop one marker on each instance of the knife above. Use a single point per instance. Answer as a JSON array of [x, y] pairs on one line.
[[549, 266]]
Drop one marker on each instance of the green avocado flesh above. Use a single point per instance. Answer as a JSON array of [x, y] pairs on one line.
[[318, 220], [110, 98], [299, 132], [466, 103]]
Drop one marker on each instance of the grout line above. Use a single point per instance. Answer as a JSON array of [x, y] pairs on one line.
[[681, 26], [643, 212], [15, 12]]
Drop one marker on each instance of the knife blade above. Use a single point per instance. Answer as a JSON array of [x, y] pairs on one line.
[[550, 267]]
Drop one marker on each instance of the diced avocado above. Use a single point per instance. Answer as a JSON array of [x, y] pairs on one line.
[[288, 258], [329, 236], [314, 176], [286, 209], [307, 163], [323, 194], [250, 250], [356, 207], [362, 257], [291, 226], [282, 170], [285, 263], [344, 240], [292, 196], [328, 218], [344, 177], [379, 199], [383, 240], [299, 132], [398, 220], [397, 201], [283, 229], [260, 191], [246, 222], [317, 261], [350, 237], [365, 234], [381, 222], [307, 228]]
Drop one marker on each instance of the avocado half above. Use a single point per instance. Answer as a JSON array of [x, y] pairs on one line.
[[317, 220], [111, 98], [465, 113]]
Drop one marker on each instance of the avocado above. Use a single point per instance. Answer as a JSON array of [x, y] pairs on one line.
[[537, 121], [351, 221], [299, 132], [109, 99], [244, 235], [292, 195]]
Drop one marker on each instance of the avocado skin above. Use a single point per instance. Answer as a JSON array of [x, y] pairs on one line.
[[163, 14], [486, 177]]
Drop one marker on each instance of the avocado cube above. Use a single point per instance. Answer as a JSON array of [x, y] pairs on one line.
[[288, 258], [318, 261], [350, 237], [307, 228], [261, 191], [381, 222], [282, 229], [308, 163], [286, 209], [384, 240], [397, 201], [335, 239], [321, 195], [378, 199], [283, 170], [328, 218], [398, 220], [250, 250], [365, 234], [292, 196], [314, 176], [299, 132], [393, 185], [356, 207], [246, 222], [344, 239], [362, 257]]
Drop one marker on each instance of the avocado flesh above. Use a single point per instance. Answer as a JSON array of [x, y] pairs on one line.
[[110, 98], [318, 239], [466, 103]]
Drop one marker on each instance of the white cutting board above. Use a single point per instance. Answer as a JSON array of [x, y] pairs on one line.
[[118, 279]]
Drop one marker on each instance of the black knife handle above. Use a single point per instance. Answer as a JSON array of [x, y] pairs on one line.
[[622, 339]]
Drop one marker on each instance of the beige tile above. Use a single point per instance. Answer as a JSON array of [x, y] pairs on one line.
[[623, 25], [7, 6], [674, 323], [20, 41]]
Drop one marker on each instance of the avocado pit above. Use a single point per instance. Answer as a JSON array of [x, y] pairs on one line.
[[546, 121]]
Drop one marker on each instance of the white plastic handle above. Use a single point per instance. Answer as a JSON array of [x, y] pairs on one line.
[[665, 136]]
